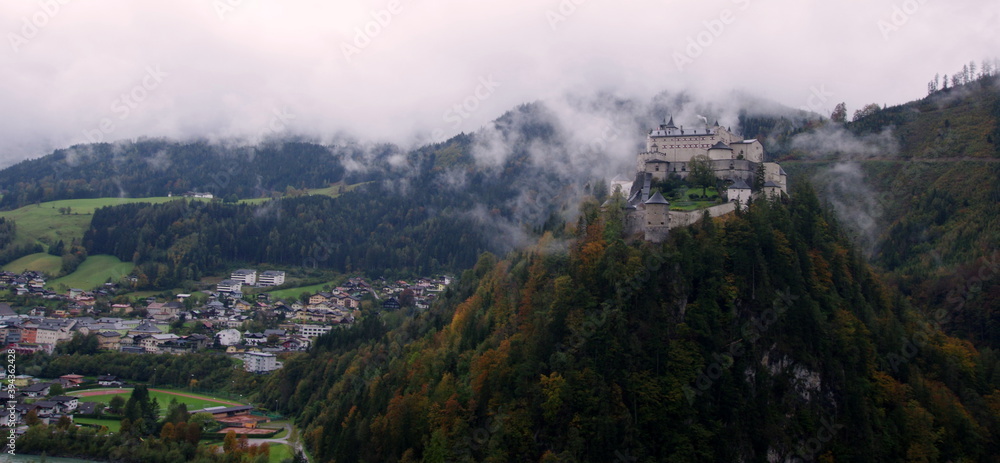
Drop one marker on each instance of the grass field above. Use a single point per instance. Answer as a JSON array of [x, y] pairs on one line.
[[40, 262], [293, 293], [334, 190], [43, 223], [163, 397], [93, 272], [113, 425], [279, 452], [686, 204]]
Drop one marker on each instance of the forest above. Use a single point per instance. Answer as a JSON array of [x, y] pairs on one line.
[[760, 335], [149, 168], [375, 229]]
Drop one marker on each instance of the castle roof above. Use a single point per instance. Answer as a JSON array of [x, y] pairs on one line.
[[781, 171], [716, 123], [670, 125], [720, 146], [657, 198], [771, 185], [739, 185]]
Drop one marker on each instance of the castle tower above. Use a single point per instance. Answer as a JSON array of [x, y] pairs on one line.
[[657, 218]]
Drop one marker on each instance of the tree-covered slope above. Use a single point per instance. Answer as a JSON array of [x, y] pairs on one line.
[[149, 168], [759, 337], [929, 210]]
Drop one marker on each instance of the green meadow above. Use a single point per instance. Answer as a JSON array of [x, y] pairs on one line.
[[93, 272]]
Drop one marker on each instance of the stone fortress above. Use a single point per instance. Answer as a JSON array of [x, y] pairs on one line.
[[669, 150]]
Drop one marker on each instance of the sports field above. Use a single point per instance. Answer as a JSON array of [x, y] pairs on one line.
[[162, 396]]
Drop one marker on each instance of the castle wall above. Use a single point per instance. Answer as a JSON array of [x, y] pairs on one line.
[[635, 221], [743, 196], [751, 150], [772, 173], [726, 169], [684, 219]]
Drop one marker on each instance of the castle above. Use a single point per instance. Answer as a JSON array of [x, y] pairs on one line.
[[669, 151]]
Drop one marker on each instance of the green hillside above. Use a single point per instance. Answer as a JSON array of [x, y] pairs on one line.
[[93, 272], [931, 213], [40, 262], [65, 220]]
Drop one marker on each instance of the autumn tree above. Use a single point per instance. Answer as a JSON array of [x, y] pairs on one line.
[[839, 113], [193, 434], [230, 444], [167, 433], [866, 111]]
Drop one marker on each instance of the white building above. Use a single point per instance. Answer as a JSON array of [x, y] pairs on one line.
[[312, 331], [245, 276], [272, 278], [740, 191], [230, 286], [260, 362]]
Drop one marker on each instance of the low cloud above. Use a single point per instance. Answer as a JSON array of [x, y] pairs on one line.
[[260, 68], [857, 205], [833, 141]]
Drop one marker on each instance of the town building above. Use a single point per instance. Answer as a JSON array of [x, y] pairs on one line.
[[271, 278], [245, 276], [260, 362]]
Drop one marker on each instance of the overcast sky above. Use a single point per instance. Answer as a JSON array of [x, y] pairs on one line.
[[395, 71]]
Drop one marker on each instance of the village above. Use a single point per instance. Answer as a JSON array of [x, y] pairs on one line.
[[228, 319], [252, 329]]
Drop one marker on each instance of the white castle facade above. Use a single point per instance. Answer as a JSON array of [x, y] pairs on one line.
[[669, 151]]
